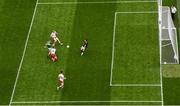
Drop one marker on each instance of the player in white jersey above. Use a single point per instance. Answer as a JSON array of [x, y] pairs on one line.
[[61, 79], [54, 38], [52, 54]]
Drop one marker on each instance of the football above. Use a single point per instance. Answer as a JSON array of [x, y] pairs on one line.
[[67, 46]]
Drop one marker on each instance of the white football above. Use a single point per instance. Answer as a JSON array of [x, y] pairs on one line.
[[67, 46]]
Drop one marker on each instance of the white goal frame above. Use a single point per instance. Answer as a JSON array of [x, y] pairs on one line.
[[168, 34]]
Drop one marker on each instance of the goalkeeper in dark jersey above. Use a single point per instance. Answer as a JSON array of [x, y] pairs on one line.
[[84, 47]]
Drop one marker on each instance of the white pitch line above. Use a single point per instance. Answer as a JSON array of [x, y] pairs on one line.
[[160, 45], [138, 12], [136, 85], [29, 102], [108, 2], [46, 102], [24, 51], [114, 36]]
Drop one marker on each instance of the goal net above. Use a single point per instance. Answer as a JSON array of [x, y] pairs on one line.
[[169, 44]]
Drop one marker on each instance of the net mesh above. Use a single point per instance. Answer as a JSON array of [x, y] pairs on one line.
[[169, 33]]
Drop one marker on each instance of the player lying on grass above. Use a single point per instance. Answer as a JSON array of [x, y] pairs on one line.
[[54, 38], [61, 79], [84, 47], [52, 54]]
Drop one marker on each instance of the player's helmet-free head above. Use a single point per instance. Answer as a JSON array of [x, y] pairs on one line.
[[61, 72]]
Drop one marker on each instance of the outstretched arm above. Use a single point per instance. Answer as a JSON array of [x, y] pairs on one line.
[[59, 41]]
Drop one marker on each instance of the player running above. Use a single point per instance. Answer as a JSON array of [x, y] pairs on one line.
[[84, 47], [61, 79], [52, 54], [54, 38]]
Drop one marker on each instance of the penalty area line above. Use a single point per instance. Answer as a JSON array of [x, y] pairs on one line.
[[113, 46], [51, 102]]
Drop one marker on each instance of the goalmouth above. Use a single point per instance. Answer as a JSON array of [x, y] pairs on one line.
[[168, 38]]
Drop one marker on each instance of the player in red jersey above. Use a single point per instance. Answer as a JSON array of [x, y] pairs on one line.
[[52, 54]]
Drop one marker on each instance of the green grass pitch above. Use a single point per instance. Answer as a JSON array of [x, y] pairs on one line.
[[15, 19], [136, 49], [136, 55]]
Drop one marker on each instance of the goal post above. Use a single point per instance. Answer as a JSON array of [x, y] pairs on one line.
[[168, 38]]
